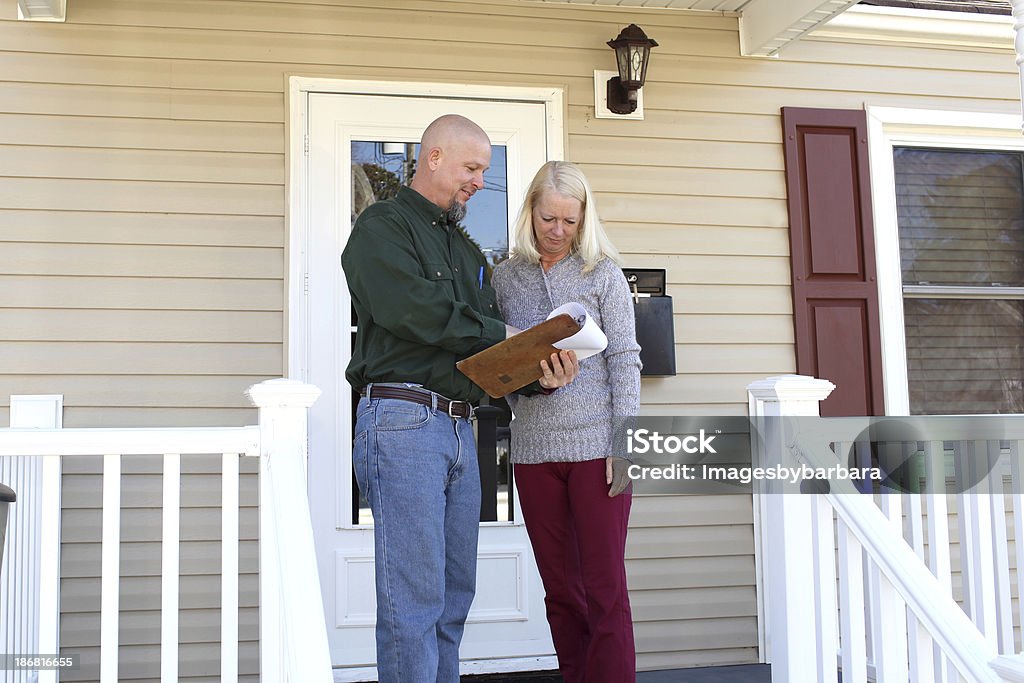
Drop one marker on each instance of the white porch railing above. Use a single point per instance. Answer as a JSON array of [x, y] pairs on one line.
[[293, 635], [863, 583]]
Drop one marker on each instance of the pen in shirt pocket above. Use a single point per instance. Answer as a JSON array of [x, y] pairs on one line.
[[480, 278]]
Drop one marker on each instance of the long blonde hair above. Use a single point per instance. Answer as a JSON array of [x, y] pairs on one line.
[[566, 179]]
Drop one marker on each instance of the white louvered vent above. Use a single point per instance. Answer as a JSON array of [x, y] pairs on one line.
[[42, 10]]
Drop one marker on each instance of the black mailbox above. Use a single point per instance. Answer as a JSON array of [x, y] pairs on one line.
[[654, 329]]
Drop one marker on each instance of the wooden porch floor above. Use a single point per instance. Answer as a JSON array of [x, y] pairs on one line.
[[745, 673]]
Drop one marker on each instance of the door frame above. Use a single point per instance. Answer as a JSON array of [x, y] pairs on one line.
[[296, 343], [298, 223]]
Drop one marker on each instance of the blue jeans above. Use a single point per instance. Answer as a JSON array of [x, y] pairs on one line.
[[418, 469]]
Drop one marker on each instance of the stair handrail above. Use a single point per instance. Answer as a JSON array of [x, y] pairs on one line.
[[948, 625]]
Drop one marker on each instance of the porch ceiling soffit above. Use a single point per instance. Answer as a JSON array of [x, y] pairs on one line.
[[766, 26], [869, 24], [42, 10]]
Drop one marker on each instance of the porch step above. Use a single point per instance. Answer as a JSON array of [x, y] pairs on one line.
[[744, 673]]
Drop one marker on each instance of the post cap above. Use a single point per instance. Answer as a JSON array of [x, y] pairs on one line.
[[791, 388], [282, 392]]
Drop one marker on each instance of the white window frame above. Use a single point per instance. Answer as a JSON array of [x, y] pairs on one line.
[[890, 127]]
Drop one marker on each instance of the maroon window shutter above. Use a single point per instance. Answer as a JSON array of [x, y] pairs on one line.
[[835, 297]]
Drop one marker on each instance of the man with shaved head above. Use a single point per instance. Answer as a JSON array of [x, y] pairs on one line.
[[423, 303], [461, 139]]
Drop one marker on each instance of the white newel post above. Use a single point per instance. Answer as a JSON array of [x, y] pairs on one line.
[[30, 576], [784, 552], [293, 631]]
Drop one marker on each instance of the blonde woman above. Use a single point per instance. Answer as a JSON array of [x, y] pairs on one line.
[[571, 485]]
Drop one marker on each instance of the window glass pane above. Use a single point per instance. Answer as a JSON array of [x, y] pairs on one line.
[[964, 357], [961, 217]]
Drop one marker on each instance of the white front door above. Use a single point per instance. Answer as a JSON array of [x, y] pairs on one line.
[[361, 146]]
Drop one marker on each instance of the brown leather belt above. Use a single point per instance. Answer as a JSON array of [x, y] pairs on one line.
[[421, 396]]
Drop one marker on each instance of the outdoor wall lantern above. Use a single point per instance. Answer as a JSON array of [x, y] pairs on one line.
[[632, 52]]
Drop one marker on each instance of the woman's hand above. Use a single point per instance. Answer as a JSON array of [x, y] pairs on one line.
[[616, 475], [563, 369]]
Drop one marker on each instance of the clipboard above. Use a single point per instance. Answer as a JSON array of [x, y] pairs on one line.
[[515, 362]]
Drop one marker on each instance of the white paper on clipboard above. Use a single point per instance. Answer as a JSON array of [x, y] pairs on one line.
[[589, 341]]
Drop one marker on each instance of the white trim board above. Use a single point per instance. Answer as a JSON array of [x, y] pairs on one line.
[[37, 411], [889, 127]]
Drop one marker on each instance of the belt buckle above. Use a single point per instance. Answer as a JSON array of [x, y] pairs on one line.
[[451, 405]]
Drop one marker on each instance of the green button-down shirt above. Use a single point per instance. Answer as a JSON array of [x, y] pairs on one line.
[[421, 297]]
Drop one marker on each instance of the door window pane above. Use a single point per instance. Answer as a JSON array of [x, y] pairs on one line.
[[379, 169]]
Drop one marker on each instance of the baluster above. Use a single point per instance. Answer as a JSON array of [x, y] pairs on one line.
[[891, 654], [169, 571], [229, 569], [1000, 553], [976, 539], [862, 458], [49, 570], [888, 610], [110, 568], [851, 605], [938, 534], [1017, 493], [920, 649], [825, 593], [919, 644]]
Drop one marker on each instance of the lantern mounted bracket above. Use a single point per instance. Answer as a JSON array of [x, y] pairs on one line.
[[601, 109]]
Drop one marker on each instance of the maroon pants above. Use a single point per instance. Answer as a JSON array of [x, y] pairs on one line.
[[579, 539]]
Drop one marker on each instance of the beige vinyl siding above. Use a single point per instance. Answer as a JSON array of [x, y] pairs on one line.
[[142, 240], [690, 561]]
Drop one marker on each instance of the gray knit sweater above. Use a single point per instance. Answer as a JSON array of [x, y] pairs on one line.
[[573, 423]]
